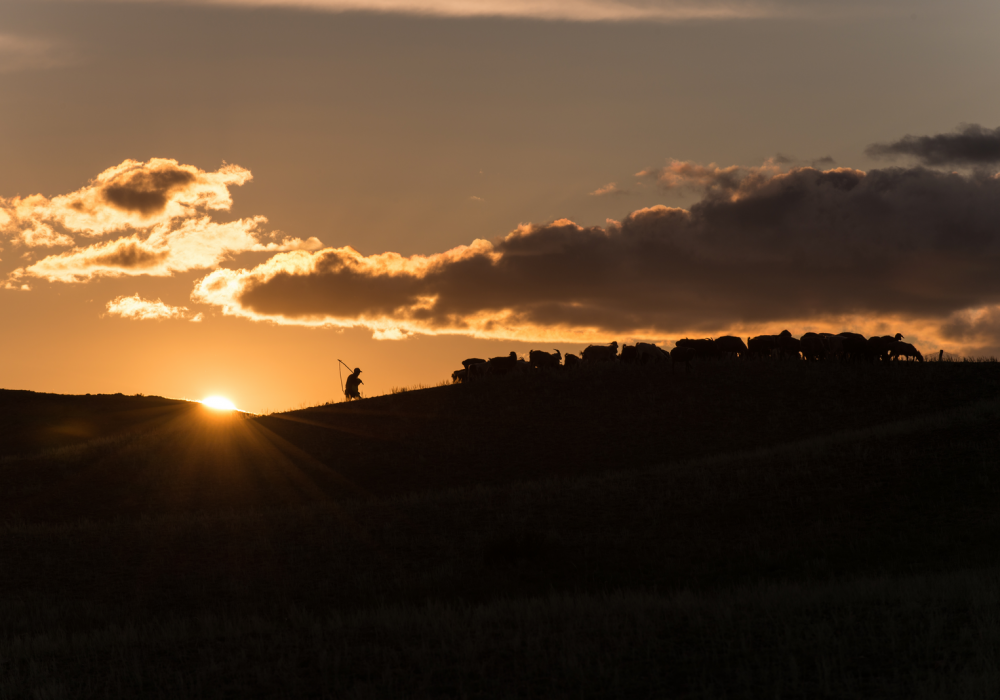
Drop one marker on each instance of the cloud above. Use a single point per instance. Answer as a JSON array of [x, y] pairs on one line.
[[975, 327], [351, 289], [18, 53], [139, 309], [160, 211], [609, 189], [970, 144], [761, 247], [194, 244], [713, 181], [286, 243], [592, 10], [43, 235], [133, 195]]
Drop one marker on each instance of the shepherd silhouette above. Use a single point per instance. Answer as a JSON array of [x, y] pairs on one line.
[[352, 384]]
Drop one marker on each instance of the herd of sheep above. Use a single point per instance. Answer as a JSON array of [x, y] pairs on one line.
[[814, 347]]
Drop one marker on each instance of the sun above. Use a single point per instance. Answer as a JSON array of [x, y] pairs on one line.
[[220, 403]]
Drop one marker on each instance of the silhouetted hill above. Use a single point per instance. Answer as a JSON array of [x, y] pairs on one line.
[[611, 418], [32, 421], [805, 530], [151, 455]]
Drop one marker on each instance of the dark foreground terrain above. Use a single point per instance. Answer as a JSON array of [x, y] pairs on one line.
[[779, 530]]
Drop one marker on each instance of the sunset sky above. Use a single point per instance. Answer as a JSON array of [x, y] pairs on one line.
[[223, 198]]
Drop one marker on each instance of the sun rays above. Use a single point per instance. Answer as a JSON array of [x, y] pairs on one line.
[[219, 403]]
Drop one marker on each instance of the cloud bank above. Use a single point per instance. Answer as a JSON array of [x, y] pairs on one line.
[[806, 247], [159, 213], [759, 247], [969, 145], [588, 10]]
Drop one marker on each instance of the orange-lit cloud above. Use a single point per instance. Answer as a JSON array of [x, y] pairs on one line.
[[609, 189], [129, 196], [380, 292], [43, 235], [160, 211], [808, 247], [193, 244], [139, 309], [711, 180]]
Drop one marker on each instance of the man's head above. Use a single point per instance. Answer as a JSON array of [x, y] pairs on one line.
[[357, 371]]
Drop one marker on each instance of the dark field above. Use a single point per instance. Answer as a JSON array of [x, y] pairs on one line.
[[749, 529]]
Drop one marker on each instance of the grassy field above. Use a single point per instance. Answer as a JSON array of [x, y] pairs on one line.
[[744, 530]]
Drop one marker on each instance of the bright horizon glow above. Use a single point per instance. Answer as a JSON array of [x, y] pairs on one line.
[[220, 403]]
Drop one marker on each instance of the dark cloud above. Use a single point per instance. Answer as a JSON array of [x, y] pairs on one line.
[[973, 327], [976, 330], [146, 191], [761, 247], [824, 162], [128, 254], [970, 144]]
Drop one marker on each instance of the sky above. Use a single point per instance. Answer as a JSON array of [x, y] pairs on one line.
[[228, 197]]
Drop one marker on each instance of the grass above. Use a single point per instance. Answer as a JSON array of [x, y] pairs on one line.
[[921, 636], [415, 387], [742, 531]]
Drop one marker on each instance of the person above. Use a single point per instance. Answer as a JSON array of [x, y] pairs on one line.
[[351, 388]]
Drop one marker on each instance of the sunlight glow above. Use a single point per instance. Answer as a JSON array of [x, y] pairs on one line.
[[220, 403]]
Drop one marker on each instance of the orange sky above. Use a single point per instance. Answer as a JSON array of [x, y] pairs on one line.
[[225, 200]]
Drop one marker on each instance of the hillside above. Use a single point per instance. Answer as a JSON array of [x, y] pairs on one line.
[[31, 422], [613, 418], [804, 531], [120, 456]]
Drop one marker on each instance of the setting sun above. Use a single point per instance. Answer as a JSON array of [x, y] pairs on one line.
[[220, 403]]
